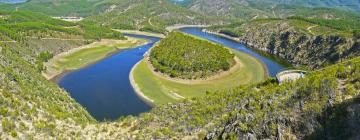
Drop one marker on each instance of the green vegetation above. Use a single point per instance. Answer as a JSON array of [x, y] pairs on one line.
[[45, 56], [163, 90], [149, 15], [87, 54], [42, 36], [41, 59], [310, 42], [24, 24], [63, 7], [184, 56], [256, 109], [324, 104], [26, 95]]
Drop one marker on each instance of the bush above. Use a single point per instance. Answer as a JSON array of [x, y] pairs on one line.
[[7, 125], [45, 56]]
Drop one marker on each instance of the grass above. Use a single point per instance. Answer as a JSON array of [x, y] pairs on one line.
[[162, 90], [82, 57]]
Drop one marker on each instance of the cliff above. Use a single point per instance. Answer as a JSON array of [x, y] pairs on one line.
[[298, 42]]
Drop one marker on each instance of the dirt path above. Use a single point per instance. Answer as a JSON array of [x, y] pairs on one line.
[[64, 39], [255, 17], [10, 41], [309, 28], [149, 21]]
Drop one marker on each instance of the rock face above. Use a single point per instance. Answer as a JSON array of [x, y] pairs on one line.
[[299, 46]]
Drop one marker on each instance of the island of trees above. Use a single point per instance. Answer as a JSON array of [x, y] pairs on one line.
[[187, 57]]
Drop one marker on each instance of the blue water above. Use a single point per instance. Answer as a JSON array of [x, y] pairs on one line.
[[272, 65], [13, 1], [104, 88]]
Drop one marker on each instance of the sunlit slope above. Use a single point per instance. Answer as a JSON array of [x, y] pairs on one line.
[[150, 15]]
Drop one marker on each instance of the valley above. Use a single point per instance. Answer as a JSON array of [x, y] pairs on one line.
[[170, 69]]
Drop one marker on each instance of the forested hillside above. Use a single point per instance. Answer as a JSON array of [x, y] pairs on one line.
[[63, 7], [154, 16], [187, 57], [37, 35], [270, 8], [149, 15], [309, 42]]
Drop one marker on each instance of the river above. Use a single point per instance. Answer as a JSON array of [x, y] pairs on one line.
[[104, 88], [13, 1]]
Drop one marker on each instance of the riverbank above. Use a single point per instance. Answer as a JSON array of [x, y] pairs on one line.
[[85, 55], [238, 64], [161, 90], [253, 47], [179, 26], [137, 32], [222, 35]]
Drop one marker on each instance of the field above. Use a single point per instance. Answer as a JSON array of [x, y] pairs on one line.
[[85, 55], [163, 91]]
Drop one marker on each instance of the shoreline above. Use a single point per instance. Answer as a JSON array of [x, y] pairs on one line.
[[216, 76], [137, 89], [54, 75], [251, 46], [137, 32], [148, 100], [179, 26]]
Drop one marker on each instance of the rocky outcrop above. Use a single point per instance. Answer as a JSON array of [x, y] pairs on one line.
[[297, 46]]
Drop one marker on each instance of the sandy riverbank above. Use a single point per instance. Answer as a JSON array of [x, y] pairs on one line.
[[141, 33], [179, 26], [222, 35], [51, 66], [137, 88]]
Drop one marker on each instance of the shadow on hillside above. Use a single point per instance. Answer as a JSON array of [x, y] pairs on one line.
[[339, 122]]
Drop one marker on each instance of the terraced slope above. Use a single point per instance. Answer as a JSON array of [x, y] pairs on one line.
[[270, 8], [309, 42], [149, 15], [35, 33]]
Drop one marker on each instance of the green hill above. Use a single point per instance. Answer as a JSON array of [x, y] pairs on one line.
[[63, 7], [191, 60], [34, 34]]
